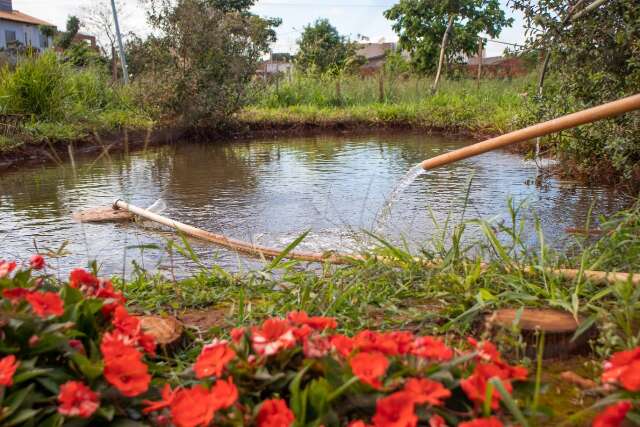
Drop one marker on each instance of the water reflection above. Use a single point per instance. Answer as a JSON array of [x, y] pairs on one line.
[[272, 191]]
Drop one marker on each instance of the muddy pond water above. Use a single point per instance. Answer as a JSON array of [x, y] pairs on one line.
[[270, 192]]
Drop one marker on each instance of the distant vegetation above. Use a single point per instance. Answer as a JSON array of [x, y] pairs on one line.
[[328, 101]]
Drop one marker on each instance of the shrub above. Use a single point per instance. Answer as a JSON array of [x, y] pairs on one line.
[[72, 353]]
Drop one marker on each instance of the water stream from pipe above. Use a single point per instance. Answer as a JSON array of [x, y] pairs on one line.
[[386, 211]]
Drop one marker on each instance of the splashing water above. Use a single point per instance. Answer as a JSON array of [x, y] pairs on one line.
[[385, 213]]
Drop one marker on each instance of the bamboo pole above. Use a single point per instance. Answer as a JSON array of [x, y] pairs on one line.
[[604, 111], [237, 245], [331, 257]]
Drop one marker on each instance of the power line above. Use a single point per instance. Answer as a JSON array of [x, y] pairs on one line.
[[313, 4]]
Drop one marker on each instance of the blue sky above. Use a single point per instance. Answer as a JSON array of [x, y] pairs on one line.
[[351, 17]]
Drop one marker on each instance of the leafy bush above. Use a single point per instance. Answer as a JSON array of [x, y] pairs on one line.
[[72, 354]]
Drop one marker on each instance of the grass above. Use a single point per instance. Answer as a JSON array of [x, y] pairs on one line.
[[402, 294], [450, 299], [59, 102], [458, 104]]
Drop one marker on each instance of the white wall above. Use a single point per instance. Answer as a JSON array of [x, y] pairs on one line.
[[25, 33]]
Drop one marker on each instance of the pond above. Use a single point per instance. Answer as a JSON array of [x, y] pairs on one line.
[[270, 192]]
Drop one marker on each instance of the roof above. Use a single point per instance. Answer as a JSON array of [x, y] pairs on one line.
[[18, 16]]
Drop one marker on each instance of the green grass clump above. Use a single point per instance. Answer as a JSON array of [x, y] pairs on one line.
[[321, 101], [61, 102]]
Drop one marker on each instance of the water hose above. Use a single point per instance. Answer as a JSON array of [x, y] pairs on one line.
[[590, 115], [337, 258]]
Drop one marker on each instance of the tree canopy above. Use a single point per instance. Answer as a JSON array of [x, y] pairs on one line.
[[594, 51], [322, 49], [201, 57], [421, 25]]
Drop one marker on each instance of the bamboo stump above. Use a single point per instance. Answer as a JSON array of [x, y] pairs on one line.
[[558, 327], [167, 331]]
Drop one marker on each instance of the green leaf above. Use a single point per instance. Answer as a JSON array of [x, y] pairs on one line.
[[286, 251], [508, 401], [21, 417], [14, 400], [91, 370], [30, 374], [298, 400]]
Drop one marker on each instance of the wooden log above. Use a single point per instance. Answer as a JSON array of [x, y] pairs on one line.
[[559, 327], [103, 214]]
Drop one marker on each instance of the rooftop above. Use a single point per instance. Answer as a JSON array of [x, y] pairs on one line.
[[18, 16]]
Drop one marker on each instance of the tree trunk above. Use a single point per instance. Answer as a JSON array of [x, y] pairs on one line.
[[445, 40], [114, 64], [480, 54]]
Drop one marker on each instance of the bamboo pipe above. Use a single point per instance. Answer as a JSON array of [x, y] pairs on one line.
[[604, 111], [218, 239], [337, 258]]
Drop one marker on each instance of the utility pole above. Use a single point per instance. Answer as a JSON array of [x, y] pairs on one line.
[[123, 60]]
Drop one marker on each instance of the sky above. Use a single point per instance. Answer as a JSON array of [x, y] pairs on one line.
[[350, 17]]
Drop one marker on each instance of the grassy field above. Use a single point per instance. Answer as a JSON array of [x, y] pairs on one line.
[[351, 101], [56, 102]]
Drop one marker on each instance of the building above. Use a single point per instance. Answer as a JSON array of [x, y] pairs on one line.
[[498, 67], [279, 63], [375, 55], [18, 29]]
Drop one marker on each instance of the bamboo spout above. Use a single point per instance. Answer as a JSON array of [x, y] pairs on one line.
[[604, 111]]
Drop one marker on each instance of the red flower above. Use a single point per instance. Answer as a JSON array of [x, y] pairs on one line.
[[369, 341], [6, 268], [482, 422], [613, 416], [316, 323], [624, 367], [358, 423], [213, 359], [8, 366], [316, 346], [127, 372], [275, 413], [342, 344], [77, 400], [37, 262], [489, 353], [46, 304], [396, 410], [431, 348], [15, 295], [77, 346], [437, 421], [273, 336], [167, 399], [192, 407], [126, 323], [369, 367], [404, 341], [426, 391], [476, 385], [237, 334], [224, 394], [83, 280]]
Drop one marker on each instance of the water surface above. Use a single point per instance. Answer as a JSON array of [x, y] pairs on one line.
[[272, 191]]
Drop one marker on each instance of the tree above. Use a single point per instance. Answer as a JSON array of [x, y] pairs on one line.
[[97, 19], [65, 38], [434, 30], [201, 57], [593, 51], [322, 49]]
